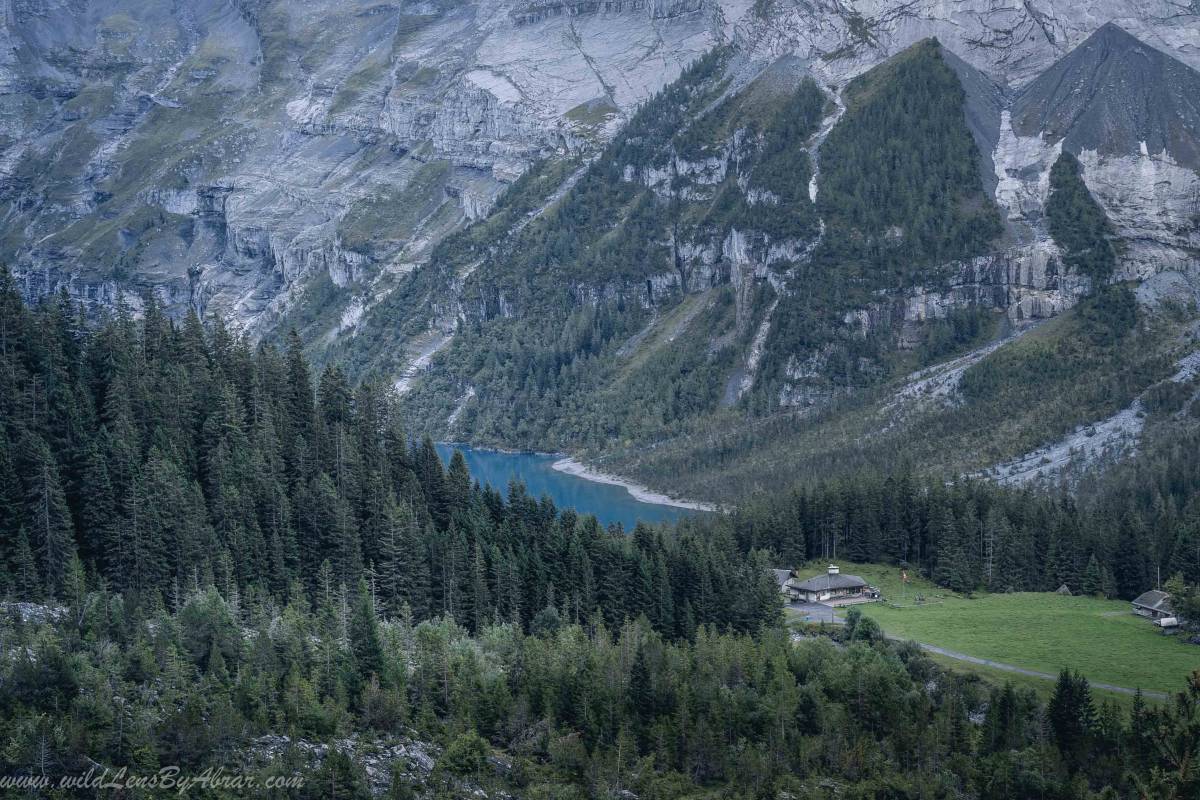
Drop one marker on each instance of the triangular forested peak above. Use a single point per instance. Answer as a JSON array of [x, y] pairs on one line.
[[985, 102], [611, 224], [925, 54], [901, 156]]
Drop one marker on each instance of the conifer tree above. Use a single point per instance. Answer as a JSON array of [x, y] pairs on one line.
[[27, 582], [48, 518], [11, 518], [98, 506], [365, 639], [430, 474], [1000, 726], [953, 563], [1016, 562], [1072, 717], [1129, 567], [1092, 582], [481, 605], [457, 484], [640, 598], [300, 411], [389, 567], [1185, 553], [663, 611]]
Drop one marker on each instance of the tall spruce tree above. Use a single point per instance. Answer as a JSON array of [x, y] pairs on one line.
[[47, 518], [1072, 716]]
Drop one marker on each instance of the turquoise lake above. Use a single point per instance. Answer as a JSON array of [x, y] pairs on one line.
[[608, 503]]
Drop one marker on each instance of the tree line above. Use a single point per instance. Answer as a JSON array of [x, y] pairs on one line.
[[159, 458], [1127, 534]]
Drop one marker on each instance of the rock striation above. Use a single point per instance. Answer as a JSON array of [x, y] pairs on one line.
[[274, 160], [281, 162]]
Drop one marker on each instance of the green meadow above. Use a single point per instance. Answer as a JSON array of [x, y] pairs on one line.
[[1036, 630]]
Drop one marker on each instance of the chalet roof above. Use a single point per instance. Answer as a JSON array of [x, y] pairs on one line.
[[1154, 600], [824, 583], [782, 576]]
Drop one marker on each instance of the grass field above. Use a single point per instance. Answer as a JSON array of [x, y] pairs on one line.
[[1036, 630]]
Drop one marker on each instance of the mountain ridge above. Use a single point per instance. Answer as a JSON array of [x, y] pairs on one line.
[[343, 171], [1114, 94], [264, 223], [951, 307]]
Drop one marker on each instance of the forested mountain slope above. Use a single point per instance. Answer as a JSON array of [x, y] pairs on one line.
[[696, 264], [745, 329], [165, 457]]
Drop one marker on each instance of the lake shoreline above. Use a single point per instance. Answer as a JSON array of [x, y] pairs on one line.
[[578, 469]]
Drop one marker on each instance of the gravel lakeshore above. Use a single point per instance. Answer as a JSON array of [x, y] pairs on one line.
[[572, 467]]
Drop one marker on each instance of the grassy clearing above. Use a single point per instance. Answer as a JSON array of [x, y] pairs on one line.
[[379, 221], [664, 331], [593, 113], [1036, 630]]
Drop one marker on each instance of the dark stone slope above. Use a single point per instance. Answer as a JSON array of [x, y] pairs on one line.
[[984, 101], [1112, 93]]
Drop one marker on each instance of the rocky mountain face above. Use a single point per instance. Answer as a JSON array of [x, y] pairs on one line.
[[1132, 115], [758, 300], [252, 158], [257, 157], [1115, 95], [340, 166]]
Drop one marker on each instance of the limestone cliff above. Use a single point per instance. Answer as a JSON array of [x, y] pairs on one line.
[[266, 159], [269, 156]]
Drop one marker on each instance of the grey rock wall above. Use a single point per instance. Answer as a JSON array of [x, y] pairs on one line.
[[261, 157]]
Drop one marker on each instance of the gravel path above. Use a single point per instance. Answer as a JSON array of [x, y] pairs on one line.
[[1108, 687]]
